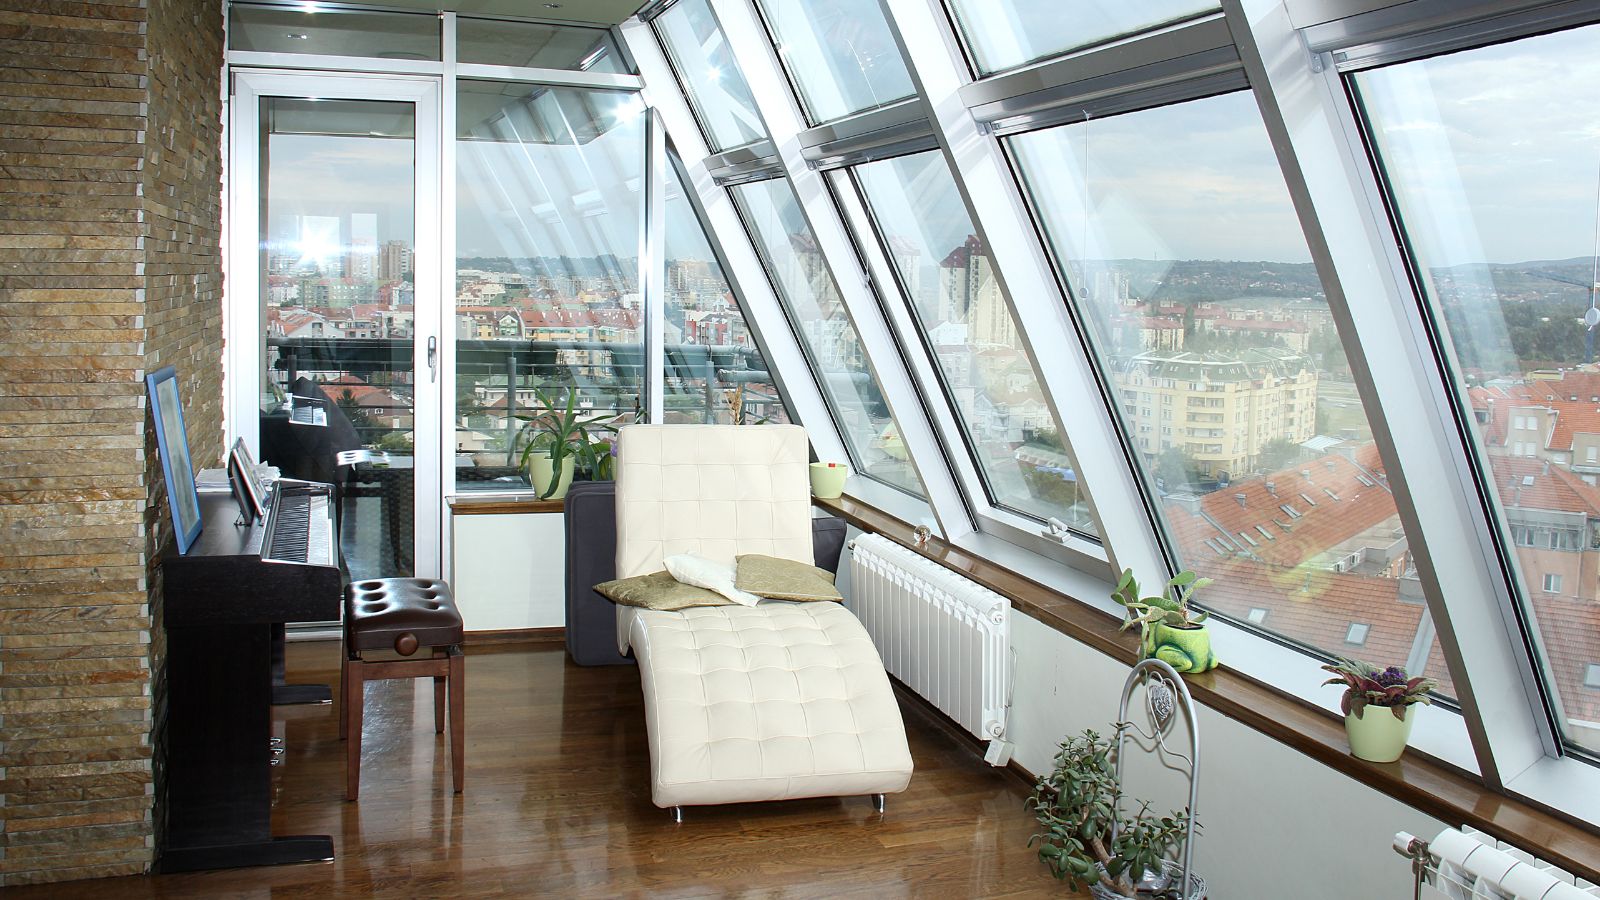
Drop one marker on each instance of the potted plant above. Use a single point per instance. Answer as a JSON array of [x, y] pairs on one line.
[[1086, 840], [1378, 735], [562, 443], [1171, 631]]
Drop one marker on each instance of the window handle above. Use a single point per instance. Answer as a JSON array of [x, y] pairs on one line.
[[433, 359]]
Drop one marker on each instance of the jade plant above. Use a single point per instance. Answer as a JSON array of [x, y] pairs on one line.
[[1170, 608], [1086, 840], [1367, 685], [562, 431]]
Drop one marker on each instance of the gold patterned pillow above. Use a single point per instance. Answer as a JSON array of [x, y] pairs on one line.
[[660, 591], [784, 579]]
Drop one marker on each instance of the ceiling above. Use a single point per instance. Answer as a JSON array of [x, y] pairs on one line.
[[596, 12]]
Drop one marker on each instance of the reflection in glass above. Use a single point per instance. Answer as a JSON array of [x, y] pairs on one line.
[[533, 45], [946, 273], [800, 275], [1004, 34], [1177, 238], [715, 371], [271, 29], [840, 54], [1491, 160], [711, 80], [338, 181], [548, 199]]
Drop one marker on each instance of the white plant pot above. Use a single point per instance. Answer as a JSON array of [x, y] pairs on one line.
[[1378, 736], [540, 470]]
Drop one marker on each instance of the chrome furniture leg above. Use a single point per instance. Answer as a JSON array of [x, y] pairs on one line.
[[878, 801], [677, 815]]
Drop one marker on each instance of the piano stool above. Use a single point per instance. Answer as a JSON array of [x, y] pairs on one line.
[[403, 615]]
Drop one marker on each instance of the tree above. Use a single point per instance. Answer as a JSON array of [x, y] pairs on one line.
[[1175, 467], [1276, 454]]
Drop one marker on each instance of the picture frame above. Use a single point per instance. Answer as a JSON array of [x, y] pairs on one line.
[[183, 499]]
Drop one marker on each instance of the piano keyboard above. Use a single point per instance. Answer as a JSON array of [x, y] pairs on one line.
[[300, 529], [308, 415]]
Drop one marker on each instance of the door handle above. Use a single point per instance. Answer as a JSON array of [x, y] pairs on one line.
[[433, 359]]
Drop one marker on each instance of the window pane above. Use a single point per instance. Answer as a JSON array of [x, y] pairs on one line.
[[945, 271], [715, 371], [532, 45], [1490, 159], [840, 54], [1174, 231], [333, 32], [800, 276], [711, 80], [547, 239], [1004, 34]]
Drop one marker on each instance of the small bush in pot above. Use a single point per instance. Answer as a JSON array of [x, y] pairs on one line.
[[569, 439], [1377, 706], [1086, 840], [1172, 631]]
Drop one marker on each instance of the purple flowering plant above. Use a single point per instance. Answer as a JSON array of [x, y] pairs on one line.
[[1367, 685]]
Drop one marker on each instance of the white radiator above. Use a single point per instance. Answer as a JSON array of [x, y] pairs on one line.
[[942, 635], [1471, 865]]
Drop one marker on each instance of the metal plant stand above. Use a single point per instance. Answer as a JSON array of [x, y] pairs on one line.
[[1165, 695]]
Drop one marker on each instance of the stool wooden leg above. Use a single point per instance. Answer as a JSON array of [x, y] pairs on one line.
[[458, 717], [438, 698], [354, 698], [344, 702]]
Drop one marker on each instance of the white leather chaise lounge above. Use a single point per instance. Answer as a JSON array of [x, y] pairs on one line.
[[773, 702]]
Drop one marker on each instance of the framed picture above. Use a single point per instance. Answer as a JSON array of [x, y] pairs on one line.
[[173, 441]]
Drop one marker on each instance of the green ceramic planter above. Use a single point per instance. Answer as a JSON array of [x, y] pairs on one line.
[[1378, 736], [1184, 649], [540, 471]]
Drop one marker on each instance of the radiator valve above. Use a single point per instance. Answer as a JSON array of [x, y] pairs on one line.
[[998, 753]]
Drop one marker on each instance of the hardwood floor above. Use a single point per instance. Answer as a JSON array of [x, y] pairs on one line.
[[557, 803]]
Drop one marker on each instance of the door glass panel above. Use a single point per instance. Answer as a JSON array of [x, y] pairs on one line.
[[715, 371], [549, 190], [1490, 158], [945, 272], [711, 80], [337, 225], [1004, 34], [1177, 237], [333, 32], [533, 45], [800, 276], [840, 54]]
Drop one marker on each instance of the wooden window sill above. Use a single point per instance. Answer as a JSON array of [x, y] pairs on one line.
[[501, 505], [1441, 791]]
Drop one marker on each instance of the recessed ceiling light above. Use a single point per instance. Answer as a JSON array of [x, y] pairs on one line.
[[552, 6], [298, 37]]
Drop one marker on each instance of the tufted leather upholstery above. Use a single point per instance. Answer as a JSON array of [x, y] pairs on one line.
[[774, 702], [780, 701], [380, 611]]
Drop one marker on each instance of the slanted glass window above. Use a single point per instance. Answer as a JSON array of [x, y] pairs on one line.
[[497, 42], [840, 54], [1176, 237], [334, 32], [715, 371], [946, 273], [1004, 34], [811, 299], [548, 210], [711, 80], [1490, 159]]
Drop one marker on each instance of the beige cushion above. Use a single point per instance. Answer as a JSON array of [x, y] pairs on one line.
[[784, 579], [659, 590], [775, 702], [713, 576]]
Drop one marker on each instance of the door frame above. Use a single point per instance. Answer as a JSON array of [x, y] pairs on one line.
[[242, 316]]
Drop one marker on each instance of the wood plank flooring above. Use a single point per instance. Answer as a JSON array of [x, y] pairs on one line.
[[557, 803]]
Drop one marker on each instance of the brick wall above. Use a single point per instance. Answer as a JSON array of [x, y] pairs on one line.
[[109, 267]]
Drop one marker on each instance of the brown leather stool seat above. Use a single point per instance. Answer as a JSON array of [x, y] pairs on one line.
[[402, 615]]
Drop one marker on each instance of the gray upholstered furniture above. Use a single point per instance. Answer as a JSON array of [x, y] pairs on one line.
[[773, 702], [591, 532]]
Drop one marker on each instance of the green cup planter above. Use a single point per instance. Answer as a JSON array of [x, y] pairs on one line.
[[1184, 649], [540, 471], [1377, 735], [827, 479]]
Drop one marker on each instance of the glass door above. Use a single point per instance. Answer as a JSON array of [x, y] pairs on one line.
[[335, 188]]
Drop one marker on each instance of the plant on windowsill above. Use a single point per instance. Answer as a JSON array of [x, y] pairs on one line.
[[1086, 840], [1170, 630], [563, 443], [1378, 735]]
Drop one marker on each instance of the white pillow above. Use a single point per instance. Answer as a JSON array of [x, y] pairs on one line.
[[713, 576]]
